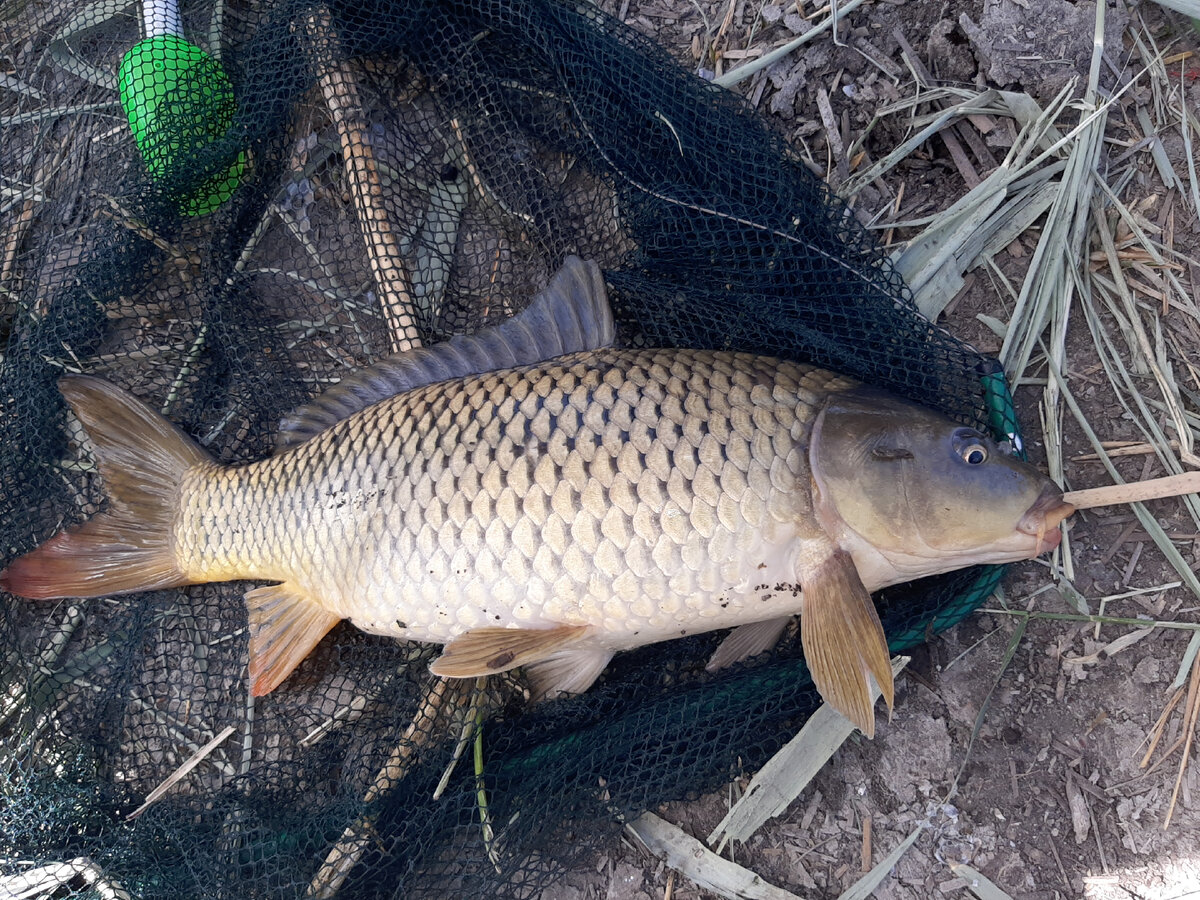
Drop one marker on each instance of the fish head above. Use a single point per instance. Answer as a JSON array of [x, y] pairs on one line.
[[924, 493]]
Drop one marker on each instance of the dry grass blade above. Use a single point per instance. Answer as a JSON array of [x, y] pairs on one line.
[[434, 244], [1156, 254], [1185, 664], [349, 711], [1191, 711], [179, 774], [865, 886], [935, 275], [977, 883], [90, 21], [57, 112], [33, 694], [1149, 356], [833, 140], [17, 86], [1121, 448], [1101, 620], [41, 686], [1190, 8], [1038, 132], [866, 844], [1051, 416], [1149, 523], [1160, 726], [713, 873], [1158, 152], [1139, 409], [994, 212], [1186, 126], [742, 72], [786, 774], [984, 103], [1045, 297]]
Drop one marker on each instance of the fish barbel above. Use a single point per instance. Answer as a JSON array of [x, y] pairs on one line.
[[530, 495]]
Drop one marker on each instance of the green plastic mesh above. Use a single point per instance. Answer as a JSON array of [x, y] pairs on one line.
[[245, 245]]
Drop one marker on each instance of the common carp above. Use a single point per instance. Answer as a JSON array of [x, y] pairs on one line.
[[532, 496]]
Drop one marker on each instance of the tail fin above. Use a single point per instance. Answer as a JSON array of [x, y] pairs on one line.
[[142, 458]]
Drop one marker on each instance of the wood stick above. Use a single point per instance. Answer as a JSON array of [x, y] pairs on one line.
[[357, 837], [865, 865], [1154, 489], [340, 89]]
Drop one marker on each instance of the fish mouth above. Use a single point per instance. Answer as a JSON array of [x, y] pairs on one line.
[[1042, 519]]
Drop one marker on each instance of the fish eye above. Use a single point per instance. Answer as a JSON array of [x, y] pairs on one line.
[[970, 446], [976, 454]]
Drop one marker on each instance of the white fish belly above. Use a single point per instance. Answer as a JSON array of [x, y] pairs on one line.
[[624, 609]]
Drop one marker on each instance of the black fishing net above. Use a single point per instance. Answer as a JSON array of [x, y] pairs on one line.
[[267, 197]]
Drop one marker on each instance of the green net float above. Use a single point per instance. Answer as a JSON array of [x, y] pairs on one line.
[[179, 101]]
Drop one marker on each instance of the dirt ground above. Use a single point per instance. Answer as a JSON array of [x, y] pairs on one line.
[[1049, 798]]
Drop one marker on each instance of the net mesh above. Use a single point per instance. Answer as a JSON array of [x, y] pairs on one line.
[[229, 219]]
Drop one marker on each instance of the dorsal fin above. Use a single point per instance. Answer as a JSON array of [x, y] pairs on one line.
[[570, 315]]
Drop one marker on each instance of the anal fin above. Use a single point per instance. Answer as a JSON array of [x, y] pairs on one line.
[[746, 641], [285, 625], [844, 643], [486, 651]]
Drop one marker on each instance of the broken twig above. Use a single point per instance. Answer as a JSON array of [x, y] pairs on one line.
[[1154, 489]]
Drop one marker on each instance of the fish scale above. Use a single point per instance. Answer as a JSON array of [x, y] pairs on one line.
[[633, 490], [530, 496]]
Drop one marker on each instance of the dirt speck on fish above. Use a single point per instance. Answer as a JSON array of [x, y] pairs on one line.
[[532, 496]]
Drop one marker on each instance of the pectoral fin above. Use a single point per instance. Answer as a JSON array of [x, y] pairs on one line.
[[285, 625], [843, 640], [486, 651], [746, 641]]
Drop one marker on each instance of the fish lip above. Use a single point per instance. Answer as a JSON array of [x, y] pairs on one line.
[[1042, 519]]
